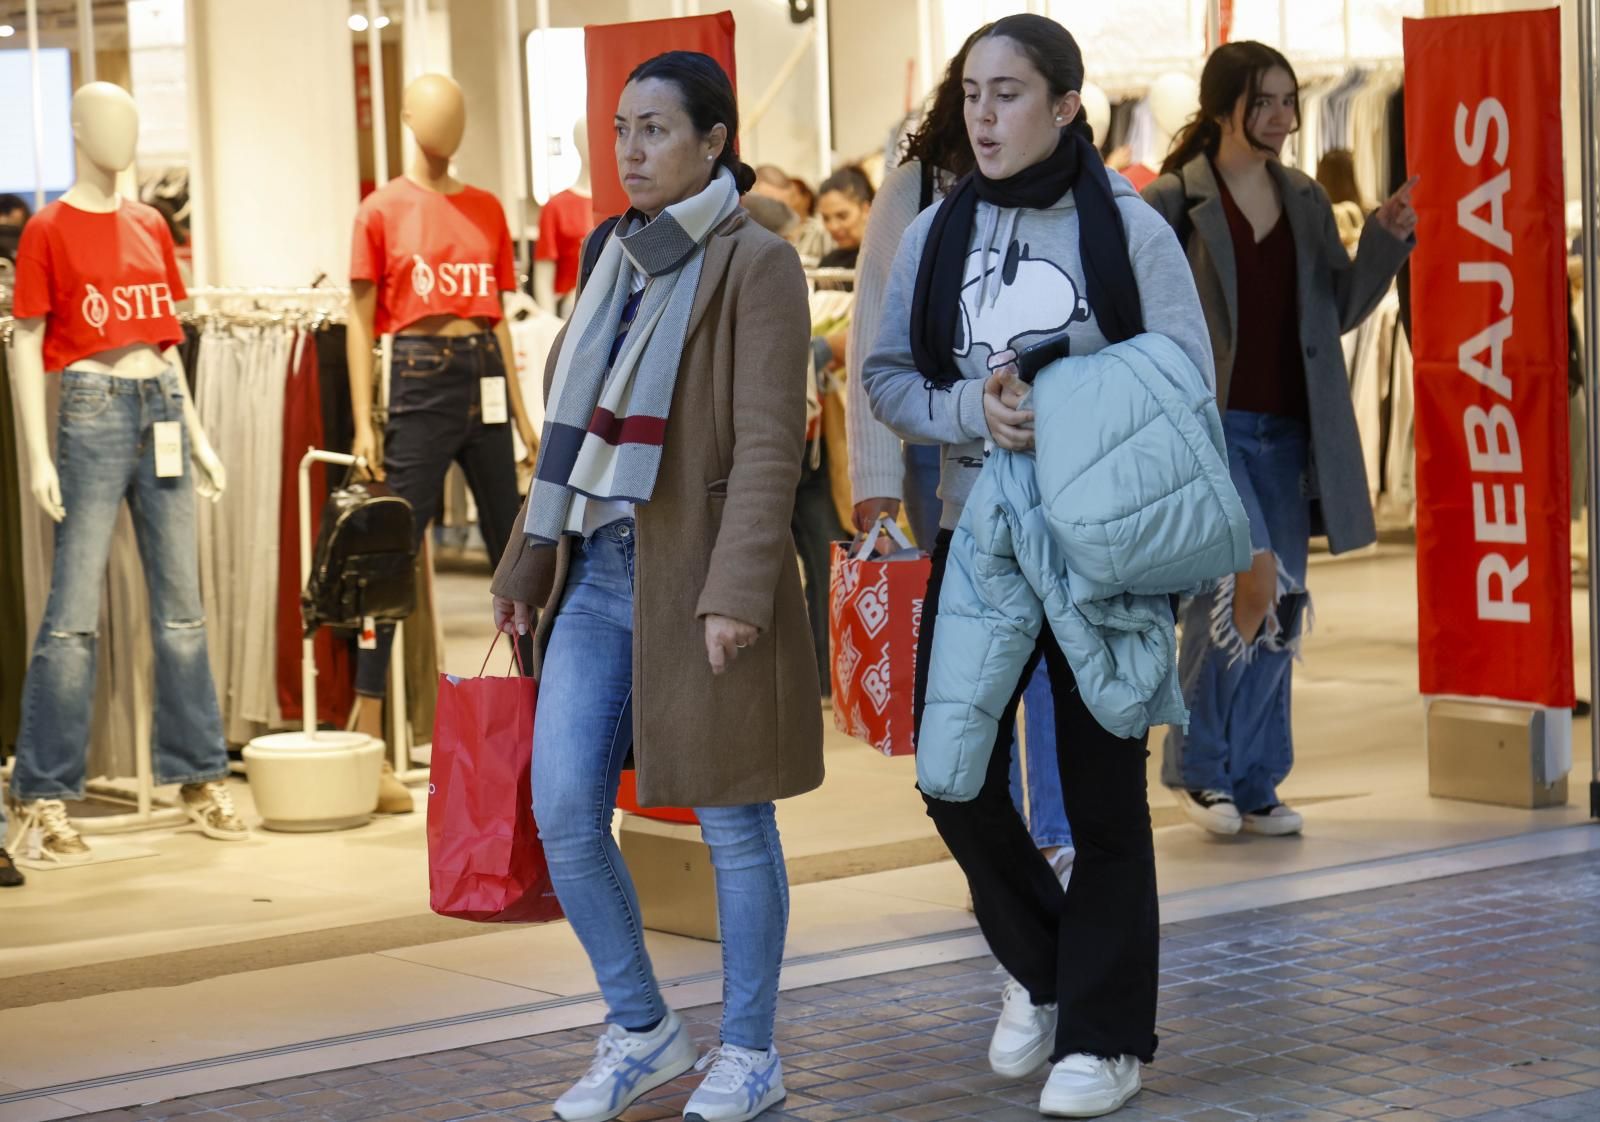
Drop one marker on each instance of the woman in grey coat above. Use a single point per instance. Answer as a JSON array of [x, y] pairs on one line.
[[1278, 289]]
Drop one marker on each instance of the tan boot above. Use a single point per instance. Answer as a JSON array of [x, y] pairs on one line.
[[394, 797]]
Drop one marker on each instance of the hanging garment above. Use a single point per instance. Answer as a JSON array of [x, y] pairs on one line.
[[302, 429]]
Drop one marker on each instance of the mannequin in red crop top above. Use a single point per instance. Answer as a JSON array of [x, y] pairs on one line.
[[432, 257], [78, 306]]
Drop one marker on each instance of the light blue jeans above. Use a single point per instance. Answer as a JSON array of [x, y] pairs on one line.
[[581, 734], [1045, 811], [1239, 739], [105, 453]]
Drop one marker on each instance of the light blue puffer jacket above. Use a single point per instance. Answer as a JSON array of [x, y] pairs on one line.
[[1125, 500]]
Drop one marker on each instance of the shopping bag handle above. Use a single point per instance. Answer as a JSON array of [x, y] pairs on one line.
[[884, 525], [516, 656]]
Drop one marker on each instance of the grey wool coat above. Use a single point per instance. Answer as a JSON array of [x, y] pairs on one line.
[[1336, 293], [714, 539]]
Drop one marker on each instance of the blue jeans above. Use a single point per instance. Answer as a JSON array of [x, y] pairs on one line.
[[1045, 811], [921, 488], [582, 732], [1239, 739], [105, 453]]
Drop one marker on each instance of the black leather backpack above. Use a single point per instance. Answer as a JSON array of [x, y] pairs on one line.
[[363, 562]]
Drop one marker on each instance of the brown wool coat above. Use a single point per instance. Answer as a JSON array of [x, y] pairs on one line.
[[714, 539]]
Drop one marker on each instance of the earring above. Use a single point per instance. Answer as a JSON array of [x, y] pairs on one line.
[[1058, 120]]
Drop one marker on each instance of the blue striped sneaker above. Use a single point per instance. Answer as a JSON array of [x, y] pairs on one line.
[[741, 1084], [626, 1066]]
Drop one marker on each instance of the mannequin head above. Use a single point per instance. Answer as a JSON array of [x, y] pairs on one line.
[[580, 140], [1097, 109], [105, 124], [1173, 100], [436, 113]]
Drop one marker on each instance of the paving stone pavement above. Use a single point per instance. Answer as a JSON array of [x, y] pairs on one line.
[[1475, 996]]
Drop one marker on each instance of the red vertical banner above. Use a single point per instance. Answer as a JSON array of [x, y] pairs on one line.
[[611, 51], [1494, 575]]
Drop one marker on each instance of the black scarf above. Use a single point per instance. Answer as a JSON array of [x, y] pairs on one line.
[[1112, 292]]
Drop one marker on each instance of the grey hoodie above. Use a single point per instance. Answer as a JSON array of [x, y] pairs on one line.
[[1024, 283]]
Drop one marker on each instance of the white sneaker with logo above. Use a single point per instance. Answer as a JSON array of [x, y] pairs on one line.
[[1212, 811], [1085, 1086], [1023, 1035], [741, 1084], [627, 1065], [1275, 821]]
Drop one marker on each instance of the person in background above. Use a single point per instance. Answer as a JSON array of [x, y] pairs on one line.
[[670, 618], [14, 215], [812, 240], [772, 215], [1278, 290], [883, 469], [1336, 171], [1084, 961], [844, 202]]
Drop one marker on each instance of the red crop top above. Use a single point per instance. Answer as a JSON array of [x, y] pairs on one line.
[[102, 281], [432, 254]]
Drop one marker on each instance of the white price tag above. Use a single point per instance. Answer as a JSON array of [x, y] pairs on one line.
[[369, 634], [169, 449], [493, 397]]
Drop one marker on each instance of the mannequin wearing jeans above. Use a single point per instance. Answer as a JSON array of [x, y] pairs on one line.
[[430, 261], [103, 319]]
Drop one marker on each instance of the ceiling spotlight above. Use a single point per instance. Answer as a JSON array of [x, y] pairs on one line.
[[7, 31], [383, 22], [358, 23]]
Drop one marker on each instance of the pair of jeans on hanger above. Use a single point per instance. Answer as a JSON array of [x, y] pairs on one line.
[[435, 419], [581, 733], [105, 452], [1239, 739]]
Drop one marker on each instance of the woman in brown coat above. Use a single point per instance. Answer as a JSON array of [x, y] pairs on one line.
[[656, 538]]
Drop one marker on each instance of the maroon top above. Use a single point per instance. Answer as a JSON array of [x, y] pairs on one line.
[[1269, 373]]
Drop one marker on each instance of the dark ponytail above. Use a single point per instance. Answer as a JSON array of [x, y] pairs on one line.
[[1232, 73], [708, 99], [1054, 54]]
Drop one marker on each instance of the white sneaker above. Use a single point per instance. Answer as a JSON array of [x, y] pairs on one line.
[[1023, 1035], [1274, 821], [742, 1084], [627, 1065], [46, 835], [210, 806], [1210, 810], [1085, 1086]]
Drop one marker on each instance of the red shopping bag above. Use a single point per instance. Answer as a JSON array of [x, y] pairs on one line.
[[874, 616], [484, 858]]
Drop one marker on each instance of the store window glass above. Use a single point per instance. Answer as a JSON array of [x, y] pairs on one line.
[[1134, 37], [557, 101]]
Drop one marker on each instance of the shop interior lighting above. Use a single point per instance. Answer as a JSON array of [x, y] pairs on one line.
[[358, 22], [7, 31], [382, 22]]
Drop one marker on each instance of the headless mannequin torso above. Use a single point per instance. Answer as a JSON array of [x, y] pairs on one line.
[[544, 272], [105, 126]]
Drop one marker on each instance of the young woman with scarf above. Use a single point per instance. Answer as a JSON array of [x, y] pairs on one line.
[[656, 541], [1040, 243], [1279, 289]]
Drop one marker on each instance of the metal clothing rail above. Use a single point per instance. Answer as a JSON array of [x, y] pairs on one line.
[[1589, 162]]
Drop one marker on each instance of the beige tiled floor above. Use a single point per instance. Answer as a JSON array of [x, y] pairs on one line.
[[1360, 767]]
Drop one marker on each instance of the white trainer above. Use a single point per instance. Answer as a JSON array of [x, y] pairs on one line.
[[627, 1065], [741, 1084], [1085, 1086], [1274, 821], [1024, 1034], [1212, 811]]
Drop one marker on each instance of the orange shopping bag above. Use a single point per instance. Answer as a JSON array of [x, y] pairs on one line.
[[874, 616], [484, 858]]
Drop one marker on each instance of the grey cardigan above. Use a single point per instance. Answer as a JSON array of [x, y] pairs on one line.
[[1336, 293]]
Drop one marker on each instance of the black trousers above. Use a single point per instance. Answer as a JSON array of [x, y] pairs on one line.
[[1093, 948], [435, 419], [815, 526]]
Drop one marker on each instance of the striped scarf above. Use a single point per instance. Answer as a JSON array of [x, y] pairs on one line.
[[609, 398]]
